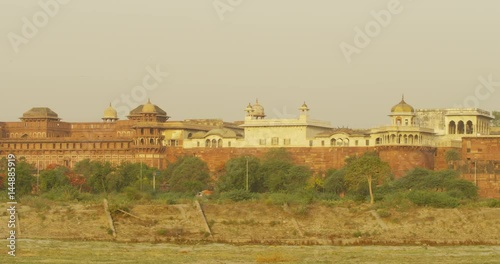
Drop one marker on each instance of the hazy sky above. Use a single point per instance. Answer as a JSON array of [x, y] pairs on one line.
[[87, 53]]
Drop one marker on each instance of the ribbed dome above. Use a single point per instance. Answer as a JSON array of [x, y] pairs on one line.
[[110, 113], [402, 107], [149, 107], [258, 110]]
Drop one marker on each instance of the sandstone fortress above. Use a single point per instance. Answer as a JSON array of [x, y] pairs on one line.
[[414, 138]]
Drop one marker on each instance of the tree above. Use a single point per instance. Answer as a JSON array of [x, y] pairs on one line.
[[335, 181], [280, 174], [430, 182], [96, 174], [496, 119], [297, 177], [54, 178], [366, 169], [24, 176], [235, 175], [451, 156], [188, 174], [126, 174]]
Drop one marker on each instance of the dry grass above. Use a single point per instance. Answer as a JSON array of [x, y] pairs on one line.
[[53, 251], [272, 258]]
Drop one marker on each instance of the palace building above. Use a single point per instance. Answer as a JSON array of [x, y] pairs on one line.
[[413, 138], [145, 136]]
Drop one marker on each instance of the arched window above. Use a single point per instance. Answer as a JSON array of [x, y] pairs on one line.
[[461, 127], [378, 141], [406, 139], [393, 138], [214, 143], [452, 128], [207, 143], [398, 121], [333, 142], [219, 143], [469, 127], [410, 139]]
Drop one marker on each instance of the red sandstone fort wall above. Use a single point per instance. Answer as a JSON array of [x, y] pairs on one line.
[[481, 148], [401, 159], [488, 184], [404, 158], [440, 162]]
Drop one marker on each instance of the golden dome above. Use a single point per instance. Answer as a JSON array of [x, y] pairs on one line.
[[402, 107], [110, 113], [149, 107]]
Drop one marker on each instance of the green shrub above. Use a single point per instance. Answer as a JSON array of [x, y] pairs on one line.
[[40, 204], [62, 193], [326, 196], [493, 203], [335, 181], [397, 200], [173, 197], [134, 194], [433, 199], [119, 202], [383, 213], [237, 195], [304, 197]]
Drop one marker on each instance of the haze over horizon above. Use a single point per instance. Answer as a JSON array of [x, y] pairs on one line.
[[283, 52]]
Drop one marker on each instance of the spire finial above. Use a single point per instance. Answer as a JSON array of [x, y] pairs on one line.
[[403, 97], [109, 104]]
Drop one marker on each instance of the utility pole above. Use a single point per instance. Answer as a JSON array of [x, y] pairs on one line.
[[475, 172], [37, 175], [141, 174], [247, 174], [154, 181]]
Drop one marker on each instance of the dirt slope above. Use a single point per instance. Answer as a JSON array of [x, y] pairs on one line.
[[258, 222]]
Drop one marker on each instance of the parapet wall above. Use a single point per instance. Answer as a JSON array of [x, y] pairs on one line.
[[401, 159], [404, 158], [488, 184]]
